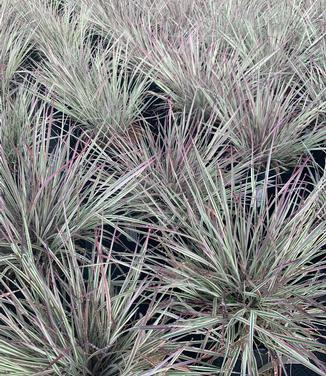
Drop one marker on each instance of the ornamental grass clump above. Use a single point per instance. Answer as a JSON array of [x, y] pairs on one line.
[[87, 78], [78, 315], [162, 187], [247, 72], [15, 45], [245, 270], [51, 183]]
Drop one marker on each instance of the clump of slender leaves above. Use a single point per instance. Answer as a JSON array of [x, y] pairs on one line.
[[77, 313], [162, 187], [245, 268]]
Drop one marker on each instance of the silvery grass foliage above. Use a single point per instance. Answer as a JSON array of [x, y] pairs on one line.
[[243, 67], [223, 257], [48, 187], [15, 44], [181, 136], [75, 315], [246, 270], [89, 79]]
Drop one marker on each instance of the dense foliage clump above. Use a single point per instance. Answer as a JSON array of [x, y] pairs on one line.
[[162, 187]]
